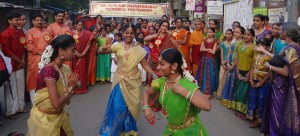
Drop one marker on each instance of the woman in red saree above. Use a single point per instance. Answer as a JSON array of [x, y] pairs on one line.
[[157, 43], [80, 62], [182, 37], [92, 57]]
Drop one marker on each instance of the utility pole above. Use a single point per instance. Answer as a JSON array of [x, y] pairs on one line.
[[292, 6], [179, 9]]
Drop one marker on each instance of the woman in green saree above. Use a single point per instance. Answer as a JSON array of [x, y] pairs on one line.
[[180, 98]]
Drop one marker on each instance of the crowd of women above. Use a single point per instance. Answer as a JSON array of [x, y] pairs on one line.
[[252, 71]]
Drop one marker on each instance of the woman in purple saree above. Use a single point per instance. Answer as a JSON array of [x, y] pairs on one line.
[[282, 110]]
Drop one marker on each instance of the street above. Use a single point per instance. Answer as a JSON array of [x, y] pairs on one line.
[[87, 112]]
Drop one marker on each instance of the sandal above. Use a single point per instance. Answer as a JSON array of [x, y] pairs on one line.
[[23, 111], [254, 124], [14, 116], [241, 116]]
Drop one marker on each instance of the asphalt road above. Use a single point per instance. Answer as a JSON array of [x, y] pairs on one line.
[[87, 112]]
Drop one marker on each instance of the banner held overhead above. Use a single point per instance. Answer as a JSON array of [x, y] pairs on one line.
[[128, 9]]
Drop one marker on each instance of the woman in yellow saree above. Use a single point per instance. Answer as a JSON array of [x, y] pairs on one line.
[[180, 98], [55, 87], [123, 106]]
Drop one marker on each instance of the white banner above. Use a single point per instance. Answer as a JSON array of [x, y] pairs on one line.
[[190, 5], [128, 9], [215, 7], [277, 15]]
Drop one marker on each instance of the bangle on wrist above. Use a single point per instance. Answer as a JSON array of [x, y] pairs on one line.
[[270, 68], [146, 107]]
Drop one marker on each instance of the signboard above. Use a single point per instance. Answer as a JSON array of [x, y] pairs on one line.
[[127, 9], [199, 6], [277, 15], [239, 11], [190, 5], [215, 7], [263, 11]]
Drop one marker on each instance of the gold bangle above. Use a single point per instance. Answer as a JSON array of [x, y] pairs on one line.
[[70, 89]]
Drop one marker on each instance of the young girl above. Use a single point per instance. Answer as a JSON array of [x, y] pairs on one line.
[[114, 61], [278, 44], [259, 28], [224, 46], [231, 68], [103, 60], [140, 41], [259, 88], [245, 53], [206, 77]]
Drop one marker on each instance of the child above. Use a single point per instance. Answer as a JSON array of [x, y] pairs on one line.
[[245, 52], [259, 86], [205, 75], [140, 35], [103, 60], [114, 61], [224, 46], [231, 68], [140, 41], [277, 43]]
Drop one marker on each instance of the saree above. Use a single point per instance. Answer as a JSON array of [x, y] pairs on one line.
[[92, 64], [44, 120], [195, 42], [182, 115], [185, 49], [80, 65], [124, 104], [282, 115], [103, 63], [262, 35], [155, 49]]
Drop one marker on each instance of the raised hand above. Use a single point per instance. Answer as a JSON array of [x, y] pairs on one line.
[[73, 80]]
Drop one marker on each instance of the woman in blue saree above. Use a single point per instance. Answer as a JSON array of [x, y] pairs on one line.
[[123, 106]]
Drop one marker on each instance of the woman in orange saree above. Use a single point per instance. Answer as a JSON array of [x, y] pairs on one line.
[[80, 62], [182, 37]]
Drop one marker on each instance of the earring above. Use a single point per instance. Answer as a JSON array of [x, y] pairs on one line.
[[62, 57], [172, 72]]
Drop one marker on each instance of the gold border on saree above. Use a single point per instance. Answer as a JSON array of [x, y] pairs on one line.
[[190, 121], [50, 112]]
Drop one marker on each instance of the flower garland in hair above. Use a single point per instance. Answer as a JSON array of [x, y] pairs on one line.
[[186, 73], [46, 57]]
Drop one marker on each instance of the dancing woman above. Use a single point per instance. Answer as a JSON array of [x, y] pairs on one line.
[[123, 108], [55, 86], [181, 98], [157, 43]]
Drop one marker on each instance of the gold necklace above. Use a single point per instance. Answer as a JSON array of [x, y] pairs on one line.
[[63, 76], [126, 53]]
